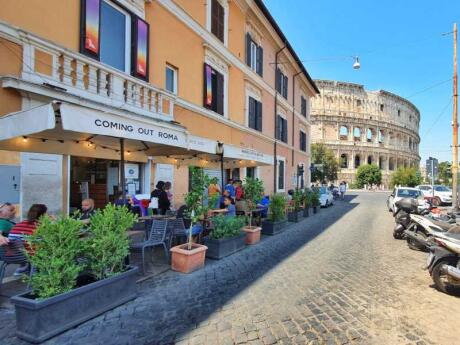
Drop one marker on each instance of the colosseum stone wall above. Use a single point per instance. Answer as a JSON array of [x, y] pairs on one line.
[[363, 127]]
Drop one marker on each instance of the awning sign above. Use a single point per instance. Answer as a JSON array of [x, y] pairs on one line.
[[247, 154], [79, 119], [202, 144]]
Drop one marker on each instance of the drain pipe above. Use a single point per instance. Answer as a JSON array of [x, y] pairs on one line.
[[275, 158]]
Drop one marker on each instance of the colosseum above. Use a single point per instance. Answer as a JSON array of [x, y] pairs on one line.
[[365, 127]]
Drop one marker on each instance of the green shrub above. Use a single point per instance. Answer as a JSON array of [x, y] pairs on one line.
[[56, 247], [308, 198], [297, 198], [107, 244], [277, 207], [368, 174], [225, 227], [315, 198]]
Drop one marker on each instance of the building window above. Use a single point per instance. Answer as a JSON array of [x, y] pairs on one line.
[[303, 141], [344, 161], [255, 114], [281, 128], [303, 106], [217, 19], [281, 83], [213, 90], [171, 79], [251, 172], [358, 102], [254, 55], [399, 112], [281, 175], [115, 37], [382, 107]]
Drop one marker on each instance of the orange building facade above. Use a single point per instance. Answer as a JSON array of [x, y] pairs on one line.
[[163, 85]]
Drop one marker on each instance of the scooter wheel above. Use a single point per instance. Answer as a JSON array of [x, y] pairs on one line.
[[414, 246], [440, 278], [397, 235]]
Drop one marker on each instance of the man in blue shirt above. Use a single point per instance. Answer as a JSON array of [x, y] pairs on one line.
[[231, 188], [231, 210]]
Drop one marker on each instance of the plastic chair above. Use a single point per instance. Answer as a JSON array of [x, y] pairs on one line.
[[12, 254], [176, 228], [157, 237]]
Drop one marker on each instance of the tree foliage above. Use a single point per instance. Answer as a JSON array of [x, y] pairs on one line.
[[407, 177], [445, 172], [320, 154], [253, 192], [368, 174]]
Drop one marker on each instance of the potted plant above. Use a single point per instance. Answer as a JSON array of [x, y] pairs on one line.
[[253, 191], [315, 201], [189, 257], [296, 212], [276, 220], [307, 202], [75, 279], [226, 238]]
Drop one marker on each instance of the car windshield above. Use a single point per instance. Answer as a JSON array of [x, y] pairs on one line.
[[322, 190], [408, 193], [441, 189]]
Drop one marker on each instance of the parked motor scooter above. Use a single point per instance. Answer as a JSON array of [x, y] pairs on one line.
[[420, 233], [443, 262], [405, 207]]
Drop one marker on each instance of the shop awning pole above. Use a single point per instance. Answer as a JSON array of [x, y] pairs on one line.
[[222, 182], [122, 169]]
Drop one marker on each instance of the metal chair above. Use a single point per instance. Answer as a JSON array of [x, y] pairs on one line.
[[157, 237], [12, 254], [176, 228]]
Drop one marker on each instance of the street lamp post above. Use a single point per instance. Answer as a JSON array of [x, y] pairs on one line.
[[455, 129]]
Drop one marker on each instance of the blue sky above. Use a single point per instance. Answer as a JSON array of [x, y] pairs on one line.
[[401, 48]]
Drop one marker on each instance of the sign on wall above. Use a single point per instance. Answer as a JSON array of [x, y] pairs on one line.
[[141, 48], [90, 27], [132, 171]]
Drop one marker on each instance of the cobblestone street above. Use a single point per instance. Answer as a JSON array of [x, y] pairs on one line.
[[336, 278]]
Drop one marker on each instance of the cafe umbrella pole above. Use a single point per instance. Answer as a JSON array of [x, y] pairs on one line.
[[122, 169]]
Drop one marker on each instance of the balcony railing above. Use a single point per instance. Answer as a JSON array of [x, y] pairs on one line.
[[46, 63]]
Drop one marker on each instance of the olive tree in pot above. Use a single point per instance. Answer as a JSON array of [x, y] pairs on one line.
[[276, 220], [296, 211], [189, 257], [75, 279], [307, 202], [226, 238], [253, 191]]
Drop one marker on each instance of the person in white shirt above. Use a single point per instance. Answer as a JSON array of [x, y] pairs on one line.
[[342, 190]]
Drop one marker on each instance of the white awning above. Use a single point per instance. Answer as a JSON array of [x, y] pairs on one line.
[[247, 154], [23, 123], [84, 122]]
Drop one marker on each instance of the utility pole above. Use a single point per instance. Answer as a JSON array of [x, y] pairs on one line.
[[455, 129]]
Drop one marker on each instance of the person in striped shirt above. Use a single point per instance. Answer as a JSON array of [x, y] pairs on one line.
[[26, 228]]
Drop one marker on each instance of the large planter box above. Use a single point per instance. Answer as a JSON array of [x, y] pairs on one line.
[[272, 228], [218, 249], [295, 216], [38, 320], [306, 212], [186, 261]]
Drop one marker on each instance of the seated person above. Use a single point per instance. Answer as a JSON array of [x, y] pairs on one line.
[[263, 204], [7, 214], [231, 210], [221, 200], [87, 208], [26, 228], [3, 240]]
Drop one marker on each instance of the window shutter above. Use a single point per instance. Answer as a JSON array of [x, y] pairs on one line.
[[220, 93], [252, 113], [278, 80], [214, 17], [260, 61], [221, 23], [285, 130], [259, 116], [278, 127], [285, 86], [248, 49], [207, 89]]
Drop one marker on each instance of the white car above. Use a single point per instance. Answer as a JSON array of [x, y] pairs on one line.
[[406, 192], [325, 197], [442, 194]]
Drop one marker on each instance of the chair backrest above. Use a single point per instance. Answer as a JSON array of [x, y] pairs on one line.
[[13, 253], [176, 226], [158, 230]]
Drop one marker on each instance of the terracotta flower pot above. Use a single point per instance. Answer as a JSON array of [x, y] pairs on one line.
[[252, 234], [186, 261]]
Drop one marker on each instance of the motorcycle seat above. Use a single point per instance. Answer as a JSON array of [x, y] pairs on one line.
[[443, 225]]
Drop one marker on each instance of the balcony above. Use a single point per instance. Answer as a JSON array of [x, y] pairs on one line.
[[56, 67]]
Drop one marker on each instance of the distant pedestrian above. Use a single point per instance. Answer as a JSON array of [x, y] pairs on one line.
[[342, 190]]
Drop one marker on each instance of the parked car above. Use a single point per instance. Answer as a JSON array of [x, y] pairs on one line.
[[326, 198], [406, 192], [442, 194]]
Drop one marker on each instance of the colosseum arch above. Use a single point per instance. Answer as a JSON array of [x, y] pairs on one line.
[[391, 164], [370, 159], [382, 161], [357, 161], [381, 135], [357, 134], [344, 132], [344, 161], [370, 135]]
